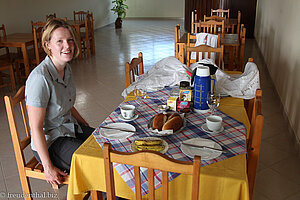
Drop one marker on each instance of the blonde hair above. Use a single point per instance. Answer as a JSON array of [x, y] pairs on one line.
[[51, 25]]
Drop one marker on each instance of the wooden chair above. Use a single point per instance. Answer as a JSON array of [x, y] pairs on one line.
[[38, 48], [31, 168], [80, 15], [214, 17], [234, 54], [87, 37], [194, 20], [177, 39], [211, 26], [219, 52], [134, 68], [151, 160], [220, 12], [37, 25], [6, 64], [253, 145], [50, 16], [233, 25]]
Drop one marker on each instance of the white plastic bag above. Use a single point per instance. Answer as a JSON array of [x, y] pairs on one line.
[[239, 85], [166, 72]]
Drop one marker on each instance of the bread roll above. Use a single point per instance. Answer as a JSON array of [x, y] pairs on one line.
[[173, 115], [175, 123], [158, 121]]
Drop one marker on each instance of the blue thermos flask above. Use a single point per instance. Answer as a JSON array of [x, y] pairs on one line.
[[202, 86]]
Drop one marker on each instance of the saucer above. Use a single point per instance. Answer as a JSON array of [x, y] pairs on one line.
[[204, 128], [127, 120]]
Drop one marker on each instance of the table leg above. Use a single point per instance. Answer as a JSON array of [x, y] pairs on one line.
[[181, 53], [96, 195], [26, 60], [231, 58], [241, 53]]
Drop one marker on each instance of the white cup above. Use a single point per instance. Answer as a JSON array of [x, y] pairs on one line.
[[214, 122], [127, 111]]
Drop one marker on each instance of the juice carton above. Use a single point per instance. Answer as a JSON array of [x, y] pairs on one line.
[[172, 103]]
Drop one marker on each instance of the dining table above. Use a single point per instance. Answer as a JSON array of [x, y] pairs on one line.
[[223, 177], [19, 40], [77, 24]]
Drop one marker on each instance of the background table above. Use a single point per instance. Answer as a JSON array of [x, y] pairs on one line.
[[21, 40], [226, 179]]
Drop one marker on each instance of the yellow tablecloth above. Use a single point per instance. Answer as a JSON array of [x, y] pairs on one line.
[[223, 180]]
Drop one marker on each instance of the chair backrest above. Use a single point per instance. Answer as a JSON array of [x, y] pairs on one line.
[[37, 25], [38, 48], [211, 26], [133, 69], [151, 160], [214, 17], [204, 49], [21, 140], [253, 146], [50, 16], [220, 12], [177, 39], [80, 15]]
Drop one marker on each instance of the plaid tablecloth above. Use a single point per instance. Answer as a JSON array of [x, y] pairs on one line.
[[232, 139]]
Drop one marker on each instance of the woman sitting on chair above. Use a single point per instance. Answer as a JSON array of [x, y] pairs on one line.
[[56, 127]]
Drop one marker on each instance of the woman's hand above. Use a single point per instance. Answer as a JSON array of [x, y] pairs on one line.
[[54, 175], [78, 117]]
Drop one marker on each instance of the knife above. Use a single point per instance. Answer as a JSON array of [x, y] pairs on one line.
[[201, 147], [117, 129]]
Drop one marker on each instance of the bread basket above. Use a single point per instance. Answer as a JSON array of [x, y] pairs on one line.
[[156, 132]]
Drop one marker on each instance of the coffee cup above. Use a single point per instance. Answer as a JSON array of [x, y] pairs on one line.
[[127, 111], [214, 123]]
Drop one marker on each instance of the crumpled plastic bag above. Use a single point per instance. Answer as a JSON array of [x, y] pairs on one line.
[[167, 72], [239, 85]]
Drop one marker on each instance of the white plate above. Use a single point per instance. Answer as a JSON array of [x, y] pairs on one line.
[[117, 134], [206, 154], [133, 146], [204, 128], [127, 120]]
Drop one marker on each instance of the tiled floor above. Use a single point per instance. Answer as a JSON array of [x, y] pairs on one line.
[[100, 81]]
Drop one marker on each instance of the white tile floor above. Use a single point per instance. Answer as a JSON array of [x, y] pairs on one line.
[[100, 81]]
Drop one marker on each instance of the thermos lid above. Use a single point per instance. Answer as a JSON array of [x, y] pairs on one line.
[[202, 71]]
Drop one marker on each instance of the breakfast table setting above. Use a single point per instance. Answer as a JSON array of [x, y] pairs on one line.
[[139, 123]]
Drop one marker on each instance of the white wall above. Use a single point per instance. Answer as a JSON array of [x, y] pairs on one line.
[[155, 8], [17, 14], [277, 31]]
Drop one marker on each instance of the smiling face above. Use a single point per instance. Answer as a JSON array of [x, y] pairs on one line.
[[61, 46]]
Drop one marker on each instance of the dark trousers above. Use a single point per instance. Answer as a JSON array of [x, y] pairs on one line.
[[62, 149]]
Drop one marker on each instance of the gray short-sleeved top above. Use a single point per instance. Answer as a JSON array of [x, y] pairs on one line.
[[45, 89]]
